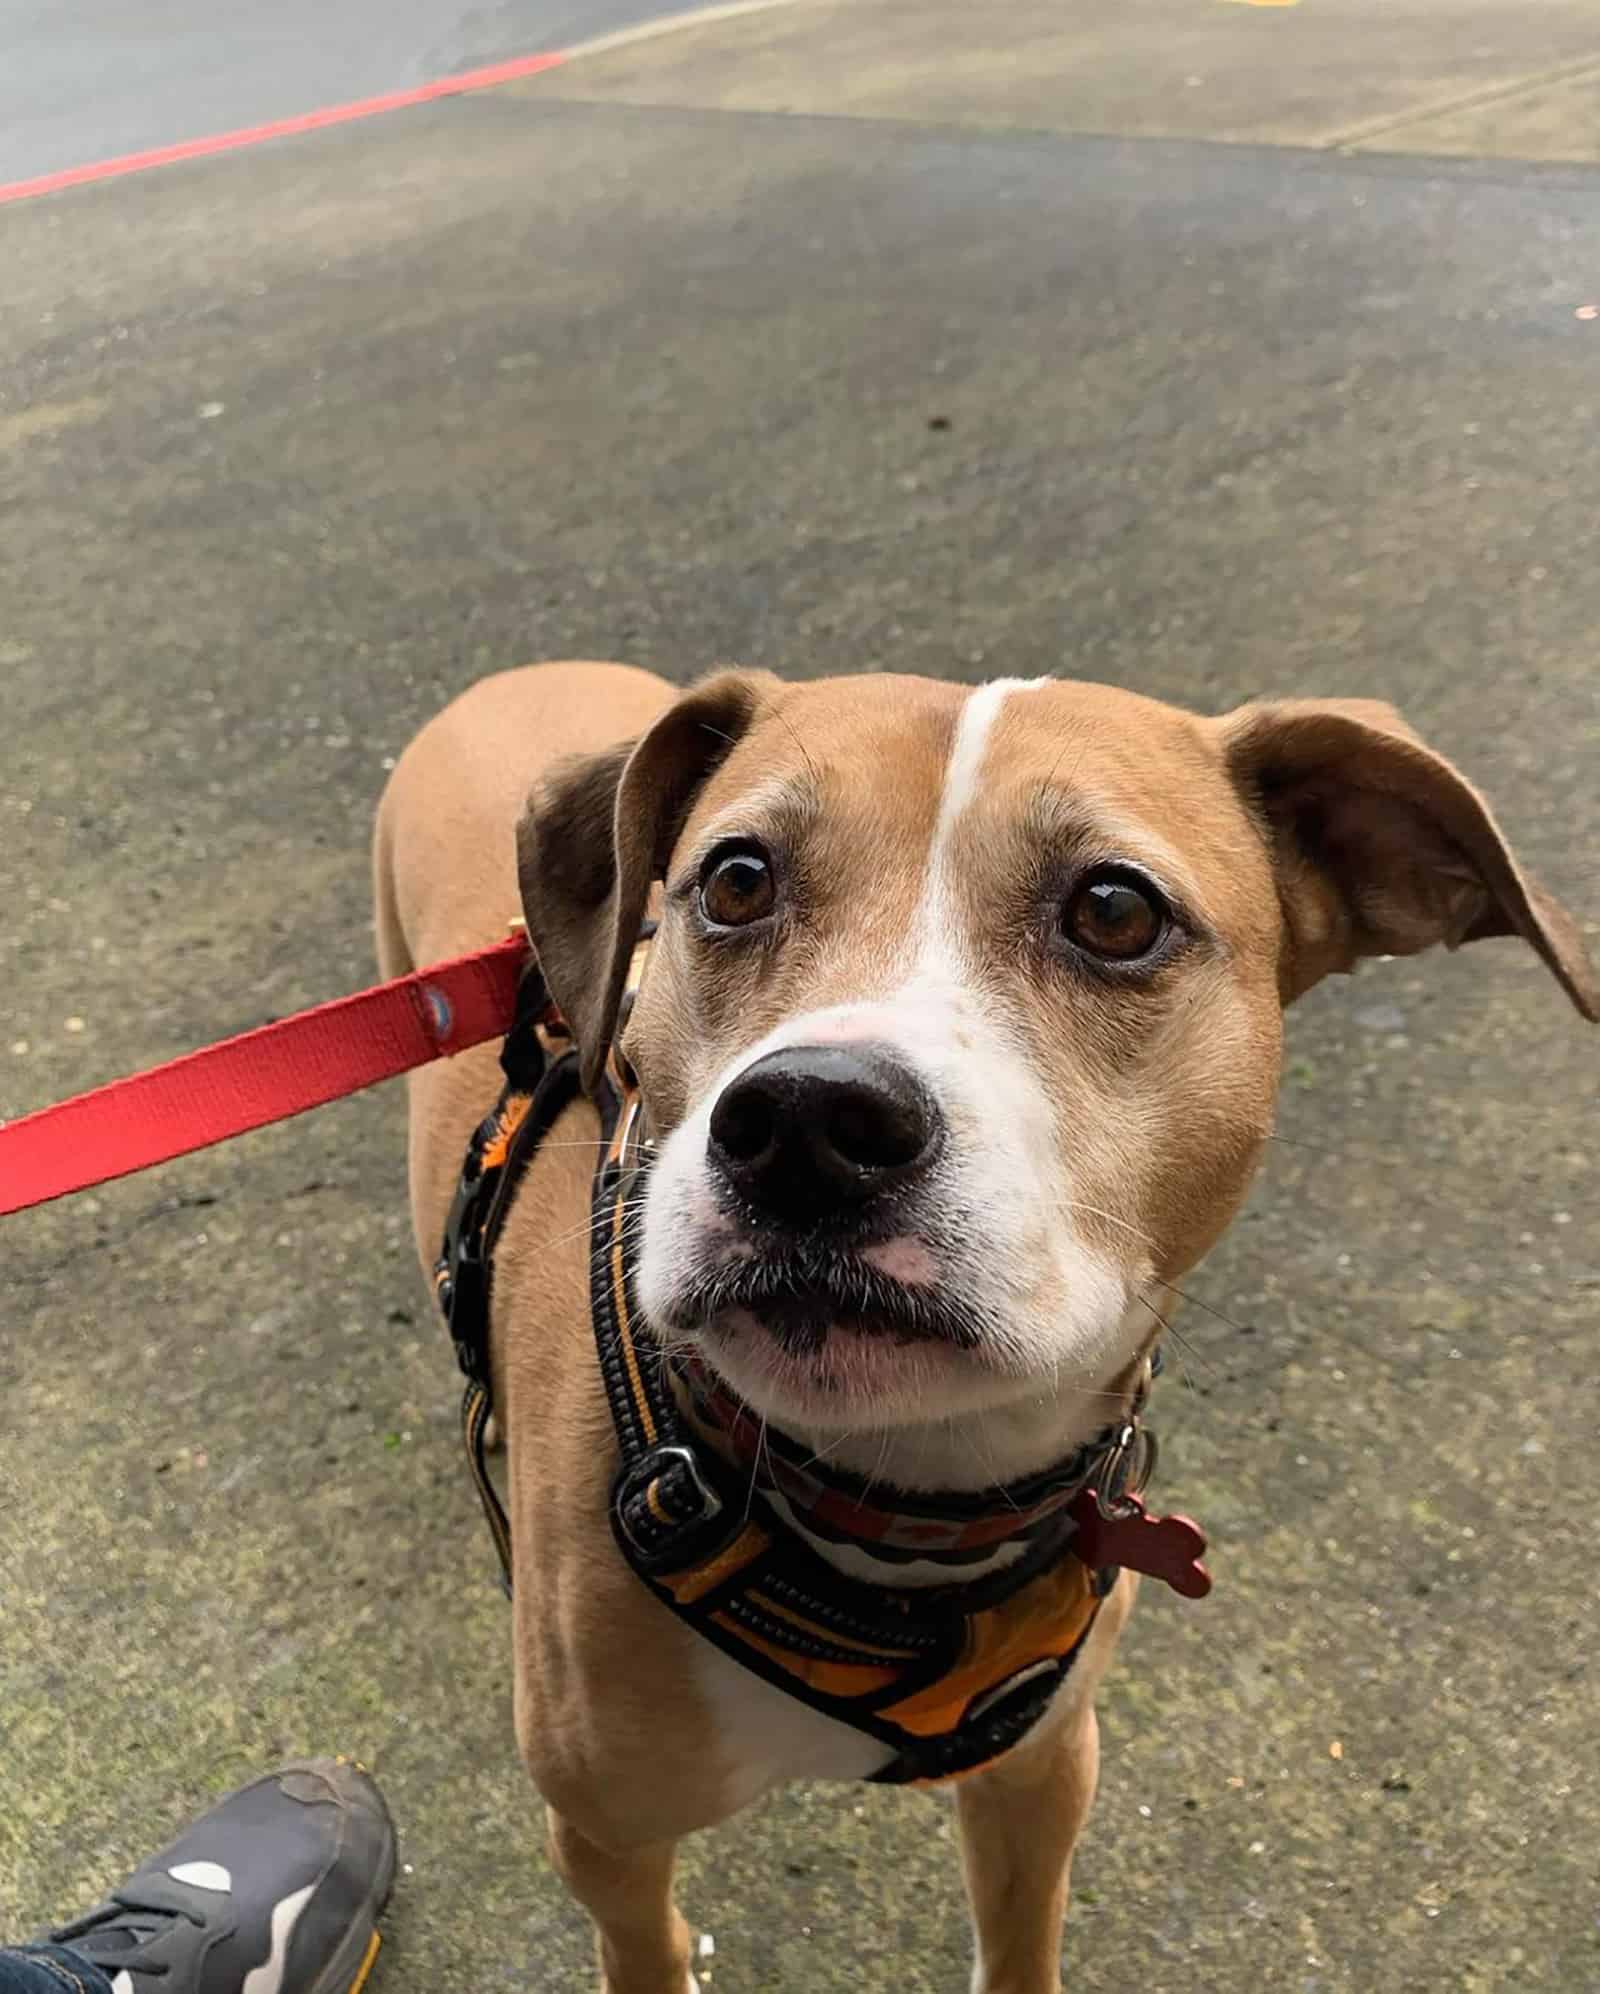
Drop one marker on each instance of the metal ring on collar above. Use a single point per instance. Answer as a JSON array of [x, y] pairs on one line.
[[1130, 1461]]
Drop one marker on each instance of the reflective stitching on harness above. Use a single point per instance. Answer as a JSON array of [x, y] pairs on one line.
[[619, 1296], [817, 1635]]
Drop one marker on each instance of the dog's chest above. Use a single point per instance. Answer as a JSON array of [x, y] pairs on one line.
[[765, 1737]]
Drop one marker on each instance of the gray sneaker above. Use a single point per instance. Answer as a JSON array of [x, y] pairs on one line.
[[276, 1891]]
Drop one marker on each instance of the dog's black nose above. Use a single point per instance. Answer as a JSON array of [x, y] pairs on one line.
[[811, 1127]]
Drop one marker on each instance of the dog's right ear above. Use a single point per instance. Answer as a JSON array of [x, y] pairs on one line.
[[1382, 847], [599, 831]]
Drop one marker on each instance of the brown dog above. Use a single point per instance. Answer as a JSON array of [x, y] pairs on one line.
[[962, 1031]]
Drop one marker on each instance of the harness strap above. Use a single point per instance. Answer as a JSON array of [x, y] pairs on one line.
[[541, 1083]]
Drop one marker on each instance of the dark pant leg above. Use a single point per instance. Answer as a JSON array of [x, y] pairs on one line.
[[49, 1970]]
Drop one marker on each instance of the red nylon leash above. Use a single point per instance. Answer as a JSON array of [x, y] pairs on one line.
[[259, 1077]]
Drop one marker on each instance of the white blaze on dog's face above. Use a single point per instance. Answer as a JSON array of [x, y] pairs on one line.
[[959, 1033], [962, 1031]]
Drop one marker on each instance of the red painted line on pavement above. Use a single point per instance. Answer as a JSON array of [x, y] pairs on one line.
[[307, 121]]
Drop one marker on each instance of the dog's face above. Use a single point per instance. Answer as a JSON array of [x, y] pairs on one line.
[[963, 1026], [962, 1032]]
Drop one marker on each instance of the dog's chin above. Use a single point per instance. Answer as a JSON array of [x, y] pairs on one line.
[[798, 1368]]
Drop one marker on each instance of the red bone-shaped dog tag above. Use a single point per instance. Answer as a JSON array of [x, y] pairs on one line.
[[1165, 1547]]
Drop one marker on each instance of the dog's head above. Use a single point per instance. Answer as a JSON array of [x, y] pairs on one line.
[[963, 1027]]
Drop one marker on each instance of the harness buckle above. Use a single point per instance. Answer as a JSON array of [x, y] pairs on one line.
[[664, 1509], [464, 1299]]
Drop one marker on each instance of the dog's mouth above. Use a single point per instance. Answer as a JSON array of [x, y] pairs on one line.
[[802, 1297]]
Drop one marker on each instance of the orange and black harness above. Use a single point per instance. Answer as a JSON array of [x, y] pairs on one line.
[[947, 1676]]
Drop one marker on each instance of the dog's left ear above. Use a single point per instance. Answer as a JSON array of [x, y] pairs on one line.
[[1382, 847], [599, 831]]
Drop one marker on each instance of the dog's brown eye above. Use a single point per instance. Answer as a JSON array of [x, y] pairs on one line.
[[738, 888], [1115, 915]]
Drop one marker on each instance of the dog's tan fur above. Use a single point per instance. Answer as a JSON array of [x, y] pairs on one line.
[[1300, 836]]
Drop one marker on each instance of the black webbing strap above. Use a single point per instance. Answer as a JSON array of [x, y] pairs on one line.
[[541, 1083]]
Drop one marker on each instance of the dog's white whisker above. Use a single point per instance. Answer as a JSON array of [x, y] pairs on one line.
[[755, 1469], [819, 1455], [1183, 1345], [1208, 1308], [996, 1481], [1111, 1218], [883, 1455], [591, 1227]]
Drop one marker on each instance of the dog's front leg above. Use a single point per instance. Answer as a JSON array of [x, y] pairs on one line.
[[643, 1940], [1019, 1820]]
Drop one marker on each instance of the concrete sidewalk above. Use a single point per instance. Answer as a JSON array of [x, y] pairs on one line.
[[294, 445], [1480, 78]]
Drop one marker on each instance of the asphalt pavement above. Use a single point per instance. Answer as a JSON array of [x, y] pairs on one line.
[[728, 346]]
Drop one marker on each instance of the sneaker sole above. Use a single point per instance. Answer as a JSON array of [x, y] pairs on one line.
[[366, 1965], [347, 1971]]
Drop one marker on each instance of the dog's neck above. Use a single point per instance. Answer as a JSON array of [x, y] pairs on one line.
[[975, 1452], [1003, 1459]]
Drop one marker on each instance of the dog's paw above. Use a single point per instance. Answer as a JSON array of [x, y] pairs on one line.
[[493, 1438]]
